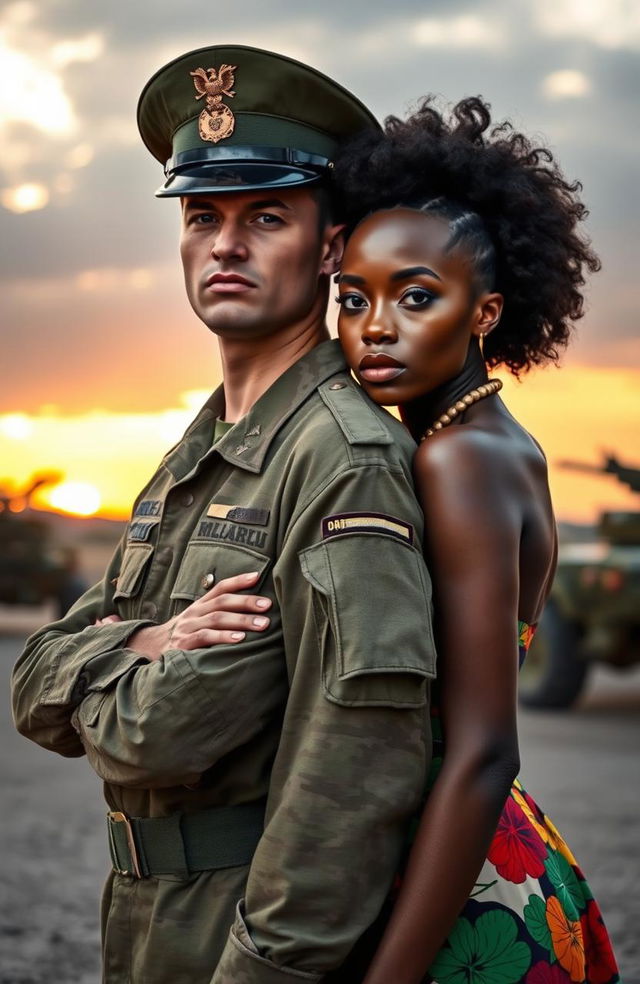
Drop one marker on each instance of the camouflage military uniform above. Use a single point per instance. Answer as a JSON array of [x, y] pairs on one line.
[[326, 714]]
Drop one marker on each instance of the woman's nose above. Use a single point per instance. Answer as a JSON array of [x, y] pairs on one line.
[[377, 330]]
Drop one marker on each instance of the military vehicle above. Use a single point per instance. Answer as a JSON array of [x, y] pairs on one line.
[[593, 612], [33, 569]]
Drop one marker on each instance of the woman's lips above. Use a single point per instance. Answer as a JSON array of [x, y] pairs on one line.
[[379, 368]]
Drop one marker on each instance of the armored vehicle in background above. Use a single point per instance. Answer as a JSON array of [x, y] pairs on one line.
[[33, 569], [593, 612]]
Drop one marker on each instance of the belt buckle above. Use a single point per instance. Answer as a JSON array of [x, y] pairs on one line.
[[118, 817]]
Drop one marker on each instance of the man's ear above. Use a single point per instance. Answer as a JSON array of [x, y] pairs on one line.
[[332, 249]]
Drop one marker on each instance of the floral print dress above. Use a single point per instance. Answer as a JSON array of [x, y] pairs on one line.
[[531, 917]]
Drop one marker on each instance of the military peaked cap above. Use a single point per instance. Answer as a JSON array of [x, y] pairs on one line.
[[233, 118]]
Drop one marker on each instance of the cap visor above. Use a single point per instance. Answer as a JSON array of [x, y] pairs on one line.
[[238, 177]]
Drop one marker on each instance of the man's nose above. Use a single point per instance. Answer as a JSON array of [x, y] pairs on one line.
[[228, 243]]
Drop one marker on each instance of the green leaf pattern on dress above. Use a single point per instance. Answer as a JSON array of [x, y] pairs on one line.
[[535, 917], [568, 888], [487, 952]]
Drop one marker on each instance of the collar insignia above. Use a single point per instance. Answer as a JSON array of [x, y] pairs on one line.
[[216, 122]]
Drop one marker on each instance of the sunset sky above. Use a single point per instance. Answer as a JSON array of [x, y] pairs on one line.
[[104, 362]]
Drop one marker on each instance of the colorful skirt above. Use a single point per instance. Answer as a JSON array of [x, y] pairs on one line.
[[531, 917]]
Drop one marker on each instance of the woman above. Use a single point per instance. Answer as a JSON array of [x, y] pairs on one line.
[[464, 252]]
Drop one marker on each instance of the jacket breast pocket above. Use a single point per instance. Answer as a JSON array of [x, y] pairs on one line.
[[205, 564], [372, 604], [135, 563]]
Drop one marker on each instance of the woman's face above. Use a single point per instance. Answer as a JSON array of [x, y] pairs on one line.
[[408, 307]]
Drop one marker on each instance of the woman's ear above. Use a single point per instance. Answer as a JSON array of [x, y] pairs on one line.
[[489, 311], [332, 249]]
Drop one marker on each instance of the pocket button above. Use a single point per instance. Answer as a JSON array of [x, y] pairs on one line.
[[208, 581]]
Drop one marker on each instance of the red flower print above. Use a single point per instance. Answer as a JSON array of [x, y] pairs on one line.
[[517, 849], [601, 963], [544, 973]]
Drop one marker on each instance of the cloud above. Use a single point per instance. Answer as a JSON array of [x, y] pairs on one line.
[[605, 23], [102, 221], [566, 83], [110, 280], [39, 117], [391, 37], [85, 49], [31, 93], [28, 197], [464, 31]]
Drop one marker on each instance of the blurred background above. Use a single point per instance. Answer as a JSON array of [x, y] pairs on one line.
[[104, 363]]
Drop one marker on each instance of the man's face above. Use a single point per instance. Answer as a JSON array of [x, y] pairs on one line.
[[253, 260]]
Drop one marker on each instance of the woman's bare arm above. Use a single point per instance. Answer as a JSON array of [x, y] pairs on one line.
[[474, 523]]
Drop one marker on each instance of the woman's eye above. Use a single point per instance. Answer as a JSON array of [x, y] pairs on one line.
[[416, 297], [351, 302]]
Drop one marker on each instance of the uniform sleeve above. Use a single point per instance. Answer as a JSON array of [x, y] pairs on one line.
[[144, 724], [164, 723], [65, 660], [356, 745]]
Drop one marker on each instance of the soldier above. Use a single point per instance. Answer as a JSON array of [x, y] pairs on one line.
[[258, 790]]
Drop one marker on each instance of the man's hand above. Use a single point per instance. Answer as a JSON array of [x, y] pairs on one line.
[[221, 616]]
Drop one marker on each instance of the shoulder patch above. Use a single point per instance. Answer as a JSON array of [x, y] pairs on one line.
[[366, 523], [356, 419]]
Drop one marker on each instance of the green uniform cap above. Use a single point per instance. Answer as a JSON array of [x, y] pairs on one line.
[[232, 118]]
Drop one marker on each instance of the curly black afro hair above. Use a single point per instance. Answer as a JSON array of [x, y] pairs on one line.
[[507, 202]]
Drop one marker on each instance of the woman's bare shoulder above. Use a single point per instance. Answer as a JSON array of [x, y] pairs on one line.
[[487, 454]]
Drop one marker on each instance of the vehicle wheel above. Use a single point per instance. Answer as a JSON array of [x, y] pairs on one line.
[[553, 674], [68, 593]]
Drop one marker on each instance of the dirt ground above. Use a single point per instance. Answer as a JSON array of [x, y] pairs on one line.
[[582, 767], [55, 859]]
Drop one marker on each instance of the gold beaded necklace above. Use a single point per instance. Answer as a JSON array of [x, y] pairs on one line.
[[446, 418]]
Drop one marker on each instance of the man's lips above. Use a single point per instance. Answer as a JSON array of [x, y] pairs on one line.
[[228, 283], [379, 368]]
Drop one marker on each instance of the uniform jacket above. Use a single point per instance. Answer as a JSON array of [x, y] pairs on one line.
[[325, 714]]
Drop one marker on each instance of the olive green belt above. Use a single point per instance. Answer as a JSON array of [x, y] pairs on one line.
[[183, 843]]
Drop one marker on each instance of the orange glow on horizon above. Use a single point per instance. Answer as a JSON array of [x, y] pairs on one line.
[[577, 412], [73, 498]]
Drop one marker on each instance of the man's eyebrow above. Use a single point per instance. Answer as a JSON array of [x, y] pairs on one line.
[[413, 271], [202, 204], [350, 278], [270, 203]]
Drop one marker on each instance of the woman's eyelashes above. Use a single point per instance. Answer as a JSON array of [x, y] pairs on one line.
[[351, 302], [415, 298]]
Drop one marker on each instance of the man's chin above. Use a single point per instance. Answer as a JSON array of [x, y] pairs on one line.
[[226, 316], [233, 326]]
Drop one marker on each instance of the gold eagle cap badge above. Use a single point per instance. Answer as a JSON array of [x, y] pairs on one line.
[[216, 121]]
